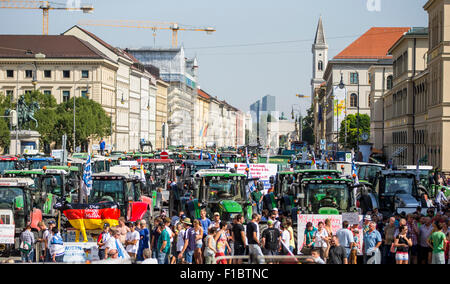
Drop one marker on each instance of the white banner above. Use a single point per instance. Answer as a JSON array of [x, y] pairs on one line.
[[80, 252], [261, 171], [340, 110], [7, 234]]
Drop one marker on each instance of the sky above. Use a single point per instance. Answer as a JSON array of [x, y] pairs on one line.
[[260, 47]]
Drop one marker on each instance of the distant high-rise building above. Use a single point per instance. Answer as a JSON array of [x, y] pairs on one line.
[[268, 103]]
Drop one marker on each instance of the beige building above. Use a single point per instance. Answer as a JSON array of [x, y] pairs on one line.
[[437, 114], [161, 113], [400, 101], [201, 118], [61, 66]]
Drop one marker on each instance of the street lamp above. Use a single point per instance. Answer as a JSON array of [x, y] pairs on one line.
[[341, 86]]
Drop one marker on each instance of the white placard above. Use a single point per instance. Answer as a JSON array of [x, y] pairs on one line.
[[7, 233], [75, 252], [261, 171]]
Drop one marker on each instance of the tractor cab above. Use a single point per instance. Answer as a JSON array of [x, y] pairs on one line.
[[16, 197], [424, 174], [288, 185], [124, 189], [220, 191], [36, 162], [54, 183], [326, 196], [398, 191], [8, 163], [158, 172], [301, 165], [369, 171]]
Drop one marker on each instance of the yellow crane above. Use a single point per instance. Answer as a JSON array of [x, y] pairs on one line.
[[174, 27], [45, 6]]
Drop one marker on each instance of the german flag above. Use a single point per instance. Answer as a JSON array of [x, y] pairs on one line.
[[92, 216]]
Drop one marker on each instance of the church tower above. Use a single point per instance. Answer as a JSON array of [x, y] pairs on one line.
[[320, 58]]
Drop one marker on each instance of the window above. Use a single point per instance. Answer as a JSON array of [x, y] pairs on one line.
[[47, 92], [84, 94], [354, 78], [47, 73], [66, 96], [9, 93], [353, 100], [389, 82], [28, 73], [28, 92], [84, 74], [66, 74], [320, 67], [10, 73]]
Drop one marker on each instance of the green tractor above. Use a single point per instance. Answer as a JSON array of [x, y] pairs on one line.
[[287, 184], [219, 191], [326, 196], [16, 203]]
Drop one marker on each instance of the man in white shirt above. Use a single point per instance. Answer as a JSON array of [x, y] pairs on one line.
[[132, 240]]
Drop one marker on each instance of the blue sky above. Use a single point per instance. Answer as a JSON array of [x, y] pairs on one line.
[[242, 72]]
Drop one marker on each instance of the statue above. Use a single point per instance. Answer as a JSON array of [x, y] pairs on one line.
[[26, 113]]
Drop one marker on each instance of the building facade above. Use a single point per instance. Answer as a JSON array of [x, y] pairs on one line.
[[67, 67]]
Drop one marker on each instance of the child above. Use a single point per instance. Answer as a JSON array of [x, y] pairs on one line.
[[355, 247]]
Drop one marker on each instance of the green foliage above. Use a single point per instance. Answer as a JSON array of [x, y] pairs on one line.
[[91, 121], [5, 135], [55, 120], [352, 130]]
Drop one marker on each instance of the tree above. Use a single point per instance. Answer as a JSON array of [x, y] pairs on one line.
[[308, 127], [352, 130], [5, 135], [91, 122]]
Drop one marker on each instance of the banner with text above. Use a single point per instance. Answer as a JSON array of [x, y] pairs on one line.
[[261, 171]]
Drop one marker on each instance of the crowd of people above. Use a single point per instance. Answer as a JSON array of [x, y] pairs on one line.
[[401, 239]]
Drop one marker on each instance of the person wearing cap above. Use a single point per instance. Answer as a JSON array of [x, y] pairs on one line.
[[367, 220], [132, 240], [270, 240], [189, 242], [102, 239], [216, 221]]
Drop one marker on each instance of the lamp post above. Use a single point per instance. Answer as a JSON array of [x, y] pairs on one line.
[[341, 86]]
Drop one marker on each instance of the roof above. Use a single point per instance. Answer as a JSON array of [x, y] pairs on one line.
[[374, 44], [53, 46], [320, 35], [102, 42], [203, 94]]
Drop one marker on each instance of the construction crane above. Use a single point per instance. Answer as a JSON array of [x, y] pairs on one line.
[[45, 6], [174, 27]]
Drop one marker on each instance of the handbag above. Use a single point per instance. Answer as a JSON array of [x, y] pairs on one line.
[[393, 248]]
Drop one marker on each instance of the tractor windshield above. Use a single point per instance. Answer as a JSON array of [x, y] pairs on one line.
[[223, 189], [11, 197], [368, 173], [327, 195], [107, 190], [52, 184], [7, 166], [398, 185], [36, 165]]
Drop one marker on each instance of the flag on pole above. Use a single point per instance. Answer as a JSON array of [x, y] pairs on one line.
[[87, 176], [201, 155], [354, 170], [313, 162], [249, 175], [142, 173]]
